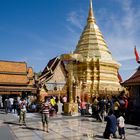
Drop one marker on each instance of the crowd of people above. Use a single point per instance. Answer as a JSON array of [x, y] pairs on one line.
[[16, 105], [101, 106], [20, 106], [113, 110]]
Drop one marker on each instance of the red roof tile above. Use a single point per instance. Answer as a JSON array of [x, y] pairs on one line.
[[134, 79]]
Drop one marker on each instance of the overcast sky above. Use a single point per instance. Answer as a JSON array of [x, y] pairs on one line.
[[38, 30]]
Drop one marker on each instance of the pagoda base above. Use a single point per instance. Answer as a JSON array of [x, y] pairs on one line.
[[71, 109]]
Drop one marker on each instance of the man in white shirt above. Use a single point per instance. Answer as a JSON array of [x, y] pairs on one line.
[[11, 102]]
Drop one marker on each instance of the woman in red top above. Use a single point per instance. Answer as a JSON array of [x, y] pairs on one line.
[[83, 107]]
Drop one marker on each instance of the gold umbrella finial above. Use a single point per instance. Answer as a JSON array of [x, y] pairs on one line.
[[91, 18]]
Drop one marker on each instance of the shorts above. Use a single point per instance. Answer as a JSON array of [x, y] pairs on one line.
[[121, 131], [45, 118]]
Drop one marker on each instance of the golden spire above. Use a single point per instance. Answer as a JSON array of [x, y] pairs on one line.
[[92, 43], [91, 18]]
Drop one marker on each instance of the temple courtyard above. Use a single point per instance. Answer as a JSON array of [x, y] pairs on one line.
[[60, 128]]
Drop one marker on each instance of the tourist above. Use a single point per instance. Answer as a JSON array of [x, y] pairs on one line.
[[22, 115], [78, 102], [122, 105], [94, 107], [125, 106], [1, 103], [83, 107], [101, 108], [56, 105], [121, 124], [45, 109], [64, 100], [109, 104], [111, 126], [7, 105], [53, 106], [15, 105], [11, 99], [116, 107]]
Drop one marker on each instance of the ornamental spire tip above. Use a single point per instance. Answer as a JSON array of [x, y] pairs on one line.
[[91, 18]]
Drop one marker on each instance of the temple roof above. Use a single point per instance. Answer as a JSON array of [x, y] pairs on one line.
[[13, 67], [92, 44], [48, 72], [16, 74], [13, 79], [50, 66], [134, 79]]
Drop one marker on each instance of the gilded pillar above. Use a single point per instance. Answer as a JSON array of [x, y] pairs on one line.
[[70, 82]]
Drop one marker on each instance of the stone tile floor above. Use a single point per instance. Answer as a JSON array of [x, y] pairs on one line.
[[60, 128]]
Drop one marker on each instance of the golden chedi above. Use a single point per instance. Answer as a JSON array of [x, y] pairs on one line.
[[97, 72]]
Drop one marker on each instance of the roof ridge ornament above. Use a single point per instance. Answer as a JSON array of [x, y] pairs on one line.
[[91, 18]]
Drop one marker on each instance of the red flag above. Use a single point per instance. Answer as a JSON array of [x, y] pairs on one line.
[[136, 54]]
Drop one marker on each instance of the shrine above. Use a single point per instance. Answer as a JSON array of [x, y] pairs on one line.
[[90, 70]]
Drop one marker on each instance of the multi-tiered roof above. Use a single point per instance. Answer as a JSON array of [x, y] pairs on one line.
[[16, 77]]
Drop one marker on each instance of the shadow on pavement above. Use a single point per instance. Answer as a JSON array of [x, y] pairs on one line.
[[133, 128], [25, 127], [14, 123], [99, 136], [31, 128]]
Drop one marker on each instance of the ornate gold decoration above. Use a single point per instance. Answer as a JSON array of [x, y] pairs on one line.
[[97, 65]]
